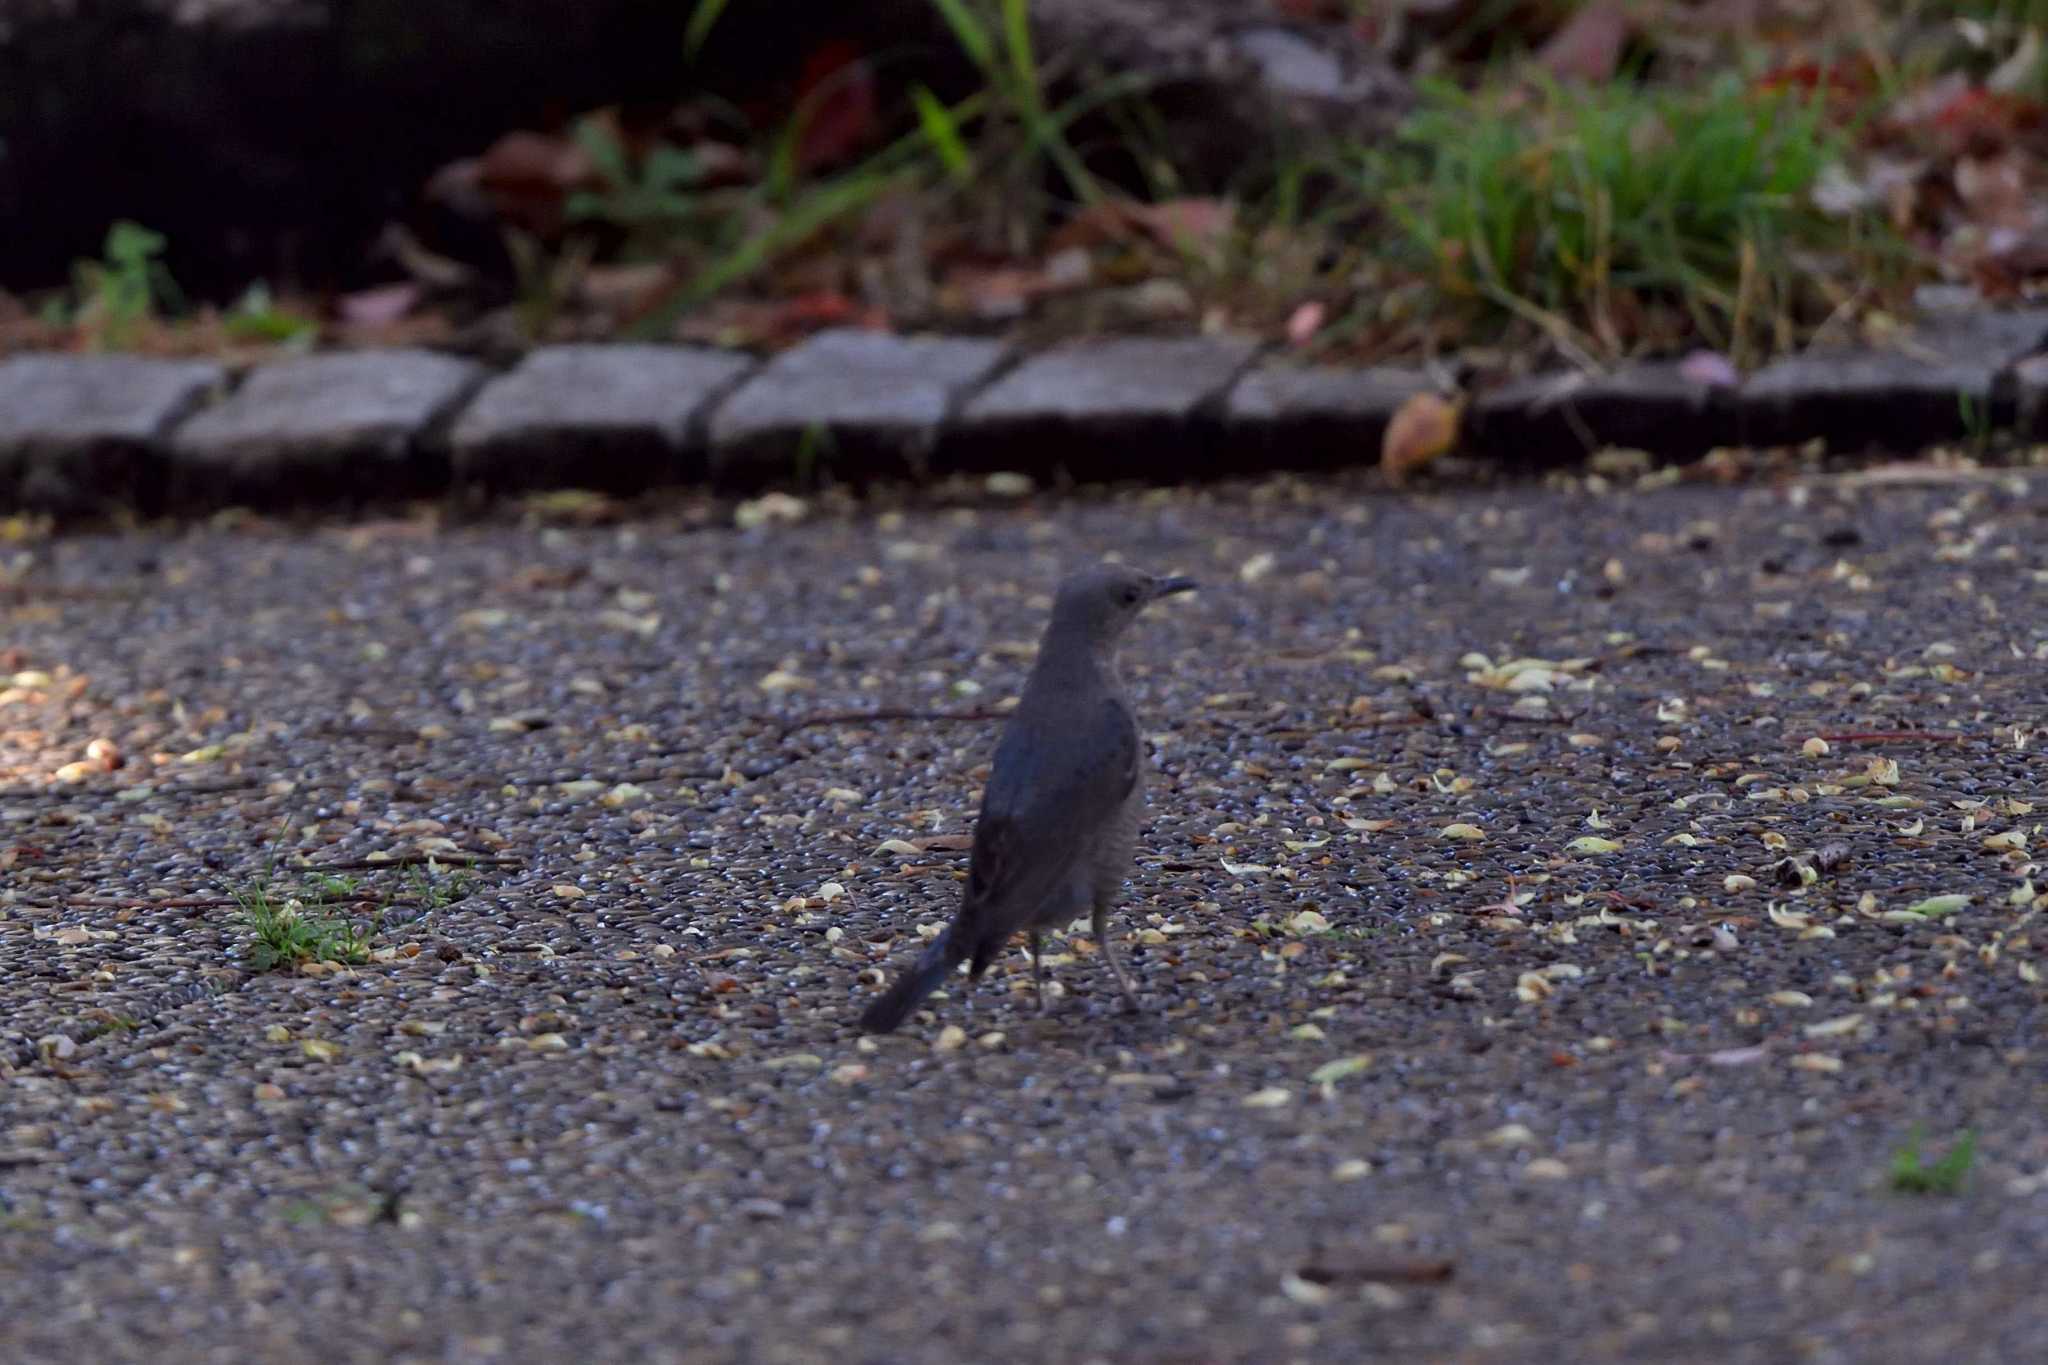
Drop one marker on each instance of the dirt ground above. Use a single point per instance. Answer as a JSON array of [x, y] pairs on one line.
[[603, 1100]]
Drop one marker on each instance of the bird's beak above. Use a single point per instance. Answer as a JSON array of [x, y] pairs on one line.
[[1167, 587]]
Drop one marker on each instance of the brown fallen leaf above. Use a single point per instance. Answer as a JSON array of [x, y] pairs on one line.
[[626, 291], [1588, 47], [1424, 427], [525, 177], [1197, 226]]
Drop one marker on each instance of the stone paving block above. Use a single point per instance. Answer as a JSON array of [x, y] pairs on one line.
[[1551, 419], [1113, 407], [1317, 416], [856, 402], [614, 417], [80, 433], [1944, 378], [346, 427], [2030, 397]]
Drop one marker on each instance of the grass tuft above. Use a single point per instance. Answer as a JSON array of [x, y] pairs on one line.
[[1914, 1174], [1617, 216], [285, 932]]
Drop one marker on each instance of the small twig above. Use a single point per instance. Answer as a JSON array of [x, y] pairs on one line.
[[1363, 722], [1380, 1272], [1504, 906], [1893, 737], [84, 793], [180, 903], [413, 860], [614, 778], [868, 717], [203, 902]]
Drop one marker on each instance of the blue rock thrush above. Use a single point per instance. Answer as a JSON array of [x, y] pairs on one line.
[[1059, 817]]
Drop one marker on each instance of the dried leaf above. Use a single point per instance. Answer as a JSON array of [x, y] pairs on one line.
[[1305, 922], [1588, 47], [1423, 427], [1330, 1072]]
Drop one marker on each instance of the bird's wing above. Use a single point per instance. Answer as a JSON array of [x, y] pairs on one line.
[[1052, 788]]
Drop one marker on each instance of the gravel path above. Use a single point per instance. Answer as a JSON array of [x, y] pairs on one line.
[[599, 1096]]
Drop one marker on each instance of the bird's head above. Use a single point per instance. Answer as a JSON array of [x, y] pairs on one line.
[[1101, 601]]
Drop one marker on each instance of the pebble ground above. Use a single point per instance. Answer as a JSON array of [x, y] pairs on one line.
[[596, 1094]]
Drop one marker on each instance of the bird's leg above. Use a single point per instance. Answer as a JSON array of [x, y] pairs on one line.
[[1100, 924], [1037, 973]]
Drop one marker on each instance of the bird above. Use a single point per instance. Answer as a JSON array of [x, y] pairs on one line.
[[1058, 825]]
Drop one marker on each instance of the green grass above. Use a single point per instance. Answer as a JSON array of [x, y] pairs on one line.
[[435, 891], [285, 924], [1912, 1173], [106, 1022], [1001, 145], [1615, 216], [126, 288], [284, 930]]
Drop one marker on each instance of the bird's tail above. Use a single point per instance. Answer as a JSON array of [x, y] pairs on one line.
[[922, 978]]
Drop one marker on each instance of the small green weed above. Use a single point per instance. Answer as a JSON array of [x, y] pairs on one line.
[[257, 316], [1978, 426], [126, 288], [330, 886], [814, 451], [435, 891], [1001, 145], [284, 931], [1913, 1174], [103, 1022]]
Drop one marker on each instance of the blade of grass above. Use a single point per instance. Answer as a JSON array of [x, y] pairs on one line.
[[703, 18], [943, 132], [968, 31], [809, 213], [1023, 63]]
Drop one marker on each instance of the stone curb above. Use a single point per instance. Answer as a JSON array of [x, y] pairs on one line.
[[80, 433], [612, 418], [90, 433], [860, 403], [351, 426]]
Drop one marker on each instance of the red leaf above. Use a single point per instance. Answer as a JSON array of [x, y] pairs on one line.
[[1981, 122], [838, 89]]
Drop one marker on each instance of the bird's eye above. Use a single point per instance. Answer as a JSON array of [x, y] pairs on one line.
[[1130, 597]]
